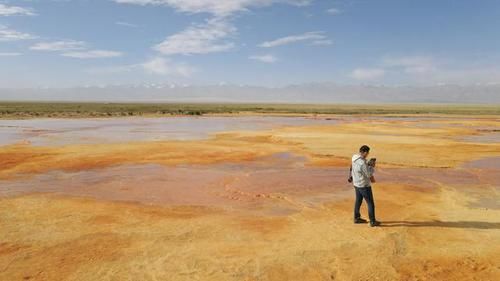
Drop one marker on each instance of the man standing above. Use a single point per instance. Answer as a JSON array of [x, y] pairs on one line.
[[362, 177]]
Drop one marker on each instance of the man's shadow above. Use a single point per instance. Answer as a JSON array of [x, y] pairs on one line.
[[448, 224]]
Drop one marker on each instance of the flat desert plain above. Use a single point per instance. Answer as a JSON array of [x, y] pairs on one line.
[[248, 198]]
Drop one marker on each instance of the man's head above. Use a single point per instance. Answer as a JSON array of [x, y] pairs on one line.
[[364, 151]]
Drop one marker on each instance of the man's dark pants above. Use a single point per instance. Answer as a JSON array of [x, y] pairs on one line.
[[366, 193]]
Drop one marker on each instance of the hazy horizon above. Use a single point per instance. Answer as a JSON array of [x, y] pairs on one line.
[[310, 93]]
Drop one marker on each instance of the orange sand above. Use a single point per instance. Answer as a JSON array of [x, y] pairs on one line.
[[234, 207]]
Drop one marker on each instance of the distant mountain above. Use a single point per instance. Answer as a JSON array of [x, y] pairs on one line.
[[314, 93]]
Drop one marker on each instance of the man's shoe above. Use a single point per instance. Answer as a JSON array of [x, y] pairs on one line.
[[360, 220], [374, 223]]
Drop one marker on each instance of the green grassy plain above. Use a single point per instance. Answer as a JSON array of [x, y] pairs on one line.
[[11, 110]]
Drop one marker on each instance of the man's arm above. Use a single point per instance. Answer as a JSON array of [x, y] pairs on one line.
[[368, 171], [371, 169]]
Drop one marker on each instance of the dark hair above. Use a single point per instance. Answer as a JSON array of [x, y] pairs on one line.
[[364, 148]]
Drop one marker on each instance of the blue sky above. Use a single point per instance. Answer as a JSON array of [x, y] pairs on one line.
[[255, 42]]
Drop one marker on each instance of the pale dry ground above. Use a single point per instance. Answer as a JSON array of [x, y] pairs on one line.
[[432, 230]]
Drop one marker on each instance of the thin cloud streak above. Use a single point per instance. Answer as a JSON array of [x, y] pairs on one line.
[[7, 35], [10, 54], [15, 11], [93, 54], [127, 24], [65, 45], [264, 58], [308, 36], [333, 11]]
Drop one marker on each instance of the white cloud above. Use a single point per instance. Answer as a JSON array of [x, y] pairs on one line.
[[163, 66], [215, 7], [66, 45], [308, 36], [7, 34], [209, 37], [333, 11], [199, 39], [93, 54], [411, 64], [264, 58], [10, 54], [367, 73], [15, 11]]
